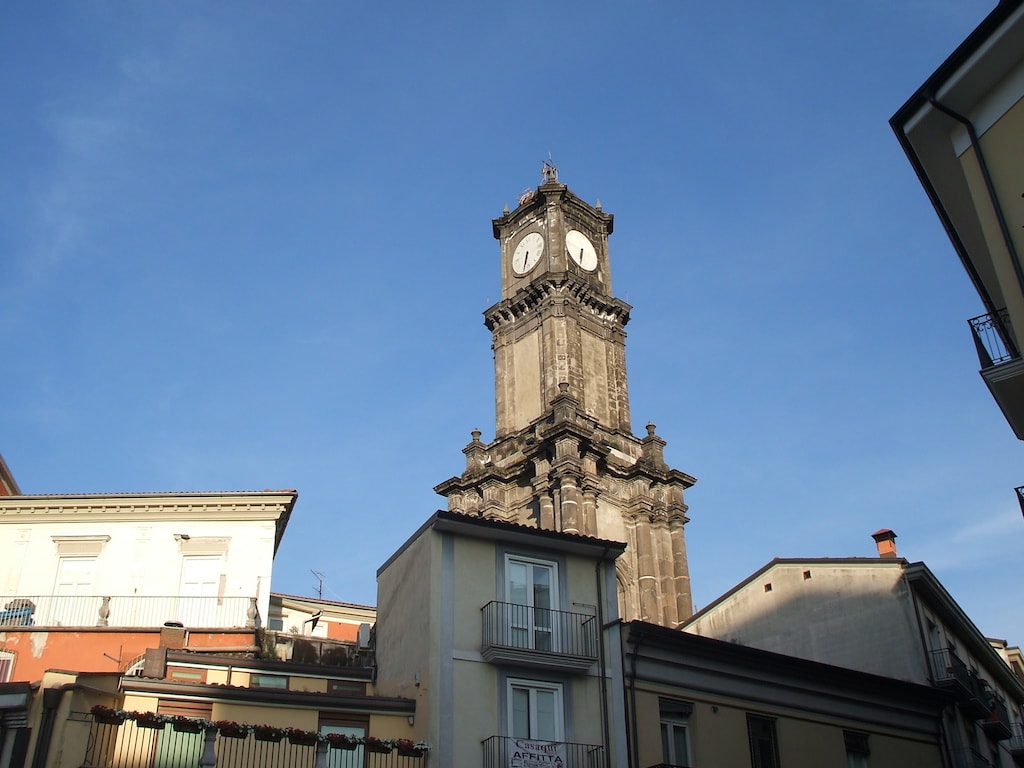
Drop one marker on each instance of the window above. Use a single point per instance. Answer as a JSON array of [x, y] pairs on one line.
[[257, 680], [531, 589], [764, 749], [74, 580], [200, 583], [346, 687], [856, 749], [343, 758], [173, 748], [6, 666], [675, 735], [535, 710]]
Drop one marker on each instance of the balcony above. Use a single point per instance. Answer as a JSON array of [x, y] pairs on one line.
[[997, 724], [130, 746], [126, 611], [1001, 365], [970, 758], [950, 673], [501, 751], [1016, 744], [538, 637]]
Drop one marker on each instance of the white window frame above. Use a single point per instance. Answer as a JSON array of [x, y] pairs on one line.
[[73, 580], [194, 605], [7, 659], [527, 619], [668, 727], [533, 686]]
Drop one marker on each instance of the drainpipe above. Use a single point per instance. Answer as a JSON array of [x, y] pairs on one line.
[[599, 574], [1004, 229], [632, 732], [51, 702]]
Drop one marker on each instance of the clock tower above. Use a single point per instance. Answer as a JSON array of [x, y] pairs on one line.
[[564, 456]]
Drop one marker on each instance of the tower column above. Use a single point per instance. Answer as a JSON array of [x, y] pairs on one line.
[[681, 573], [667, 612], [588, 518], [646, 579]]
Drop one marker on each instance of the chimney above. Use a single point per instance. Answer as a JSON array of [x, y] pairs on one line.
[[885, 540]]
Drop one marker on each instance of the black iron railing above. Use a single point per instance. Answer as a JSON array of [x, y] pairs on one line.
[[997, 724], [523, 627], [502, 751], [970, 758], [1016, 742], [973, 694], [993, 339]]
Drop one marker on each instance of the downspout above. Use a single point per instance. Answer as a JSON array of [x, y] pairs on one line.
[[605, 733], [1004, 229], [632, 732], [51, 702]]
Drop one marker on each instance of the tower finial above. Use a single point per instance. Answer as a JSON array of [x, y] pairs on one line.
[[549, 172]]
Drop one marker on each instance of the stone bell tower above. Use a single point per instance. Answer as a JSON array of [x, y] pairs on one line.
[[564, 456]]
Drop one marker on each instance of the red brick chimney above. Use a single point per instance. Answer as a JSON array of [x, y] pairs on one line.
[[885, 540]]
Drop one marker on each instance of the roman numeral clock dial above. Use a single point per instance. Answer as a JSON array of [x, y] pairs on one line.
[[581, 250], [527, 253]]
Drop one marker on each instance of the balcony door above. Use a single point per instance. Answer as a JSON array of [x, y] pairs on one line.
[[74, 581], [200, 584], [535, 710], [531, 591]]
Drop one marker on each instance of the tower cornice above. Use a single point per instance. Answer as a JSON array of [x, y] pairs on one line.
[[554, 285]]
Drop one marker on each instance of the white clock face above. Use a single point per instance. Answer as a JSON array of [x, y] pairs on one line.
[[527, 253], [581, 250]]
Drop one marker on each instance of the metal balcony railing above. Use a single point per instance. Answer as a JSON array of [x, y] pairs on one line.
[[501, 751], [997, 724], [1016, 742], [970, 758], [993, 339], [130, 746], [973, 695], [126, 611], [526, 630]]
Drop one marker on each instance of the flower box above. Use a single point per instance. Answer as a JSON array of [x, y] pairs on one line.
[[106, 715], [342, 741], [186, 724], [409, 748], [380, 746], [301, 738], [152, 721], [231, 730], [267, 733]]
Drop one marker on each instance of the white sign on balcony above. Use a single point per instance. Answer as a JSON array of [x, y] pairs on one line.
[[528, 753]]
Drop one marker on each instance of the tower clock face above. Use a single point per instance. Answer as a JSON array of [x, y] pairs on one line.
[[527, 253], [581, 250]]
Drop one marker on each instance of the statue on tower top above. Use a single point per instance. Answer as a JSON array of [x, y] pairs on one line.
[[549, 172]]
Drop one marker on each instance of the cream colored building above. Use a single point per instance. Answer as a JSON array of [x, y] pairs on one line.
[[74, 570], [695, 701], [884, 616], [963, 131], [51, 724], [501, 634]]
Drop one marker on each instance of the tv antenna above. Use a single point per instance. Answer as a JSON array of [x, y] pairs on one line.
[[319, 583]]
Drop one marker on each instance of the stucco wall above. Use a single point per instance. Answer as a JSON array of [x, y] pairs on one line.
[[849, 615]]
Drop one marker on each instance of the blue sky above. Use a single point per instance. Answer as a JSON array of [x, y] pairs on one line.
[[248, 245]]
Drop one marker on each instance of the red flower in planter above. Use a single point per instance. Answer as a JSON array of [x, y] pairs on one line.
[[373, 744], [229, 729]]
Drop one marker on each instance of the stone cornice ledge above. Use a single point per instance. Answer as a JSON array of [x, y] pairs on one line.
[[264, 505]]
